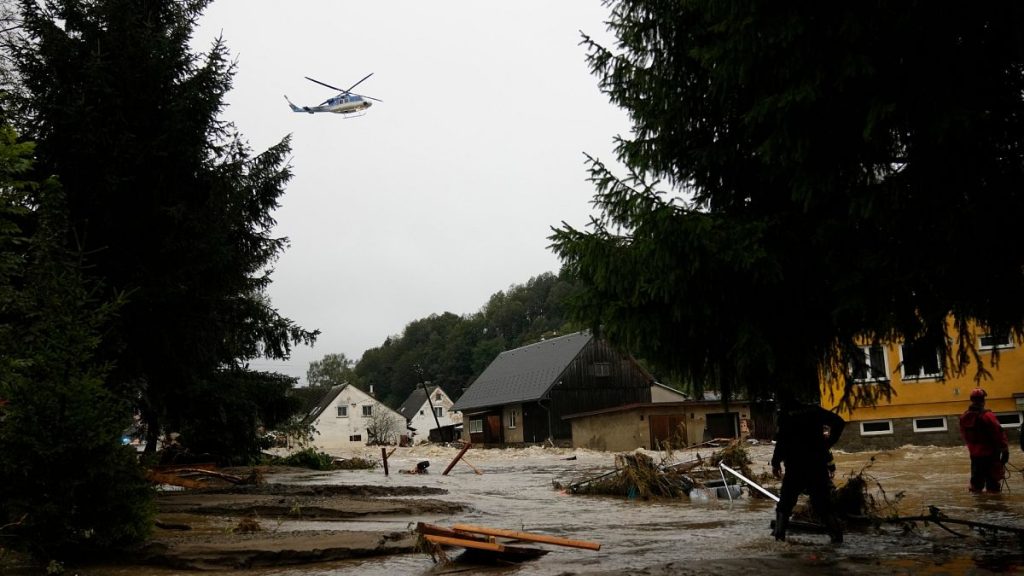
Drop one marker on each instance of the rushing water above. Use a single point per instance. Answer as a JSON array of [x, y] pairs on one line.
[[515, 491]]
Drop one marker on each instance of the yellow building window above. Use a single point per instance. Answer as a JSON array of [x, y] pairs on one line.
[[994, 340], [930, 424], [919, 362], [872, 367], [876, 427]]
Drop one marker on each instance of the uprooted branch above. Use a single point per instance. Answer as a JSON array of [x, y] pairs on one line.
[[938, 518], [17, 522]]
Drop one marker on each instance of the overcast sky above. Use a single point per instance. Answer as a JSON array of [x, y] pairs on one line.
[[443, 194]]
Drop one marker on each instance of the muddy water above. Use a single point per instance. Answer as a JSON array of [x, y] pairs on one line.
[[515, 491], [690, 537]]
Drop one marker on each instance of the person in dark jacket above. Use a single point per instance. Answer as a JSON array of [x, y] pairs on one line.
[[986, 442], [802, 447]]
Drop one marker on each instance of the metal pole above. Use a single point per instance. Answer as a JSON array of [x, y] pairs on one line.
[[725, 484], [752, 484], [432, 411]]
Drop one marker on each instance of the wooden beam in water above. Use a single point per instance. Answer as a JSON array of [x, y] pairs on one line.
[[475, 544], [457, 458], [527, 536]]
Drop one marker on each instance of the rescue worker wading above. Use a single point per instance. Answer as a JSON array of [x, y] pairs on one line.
[[802, 448], [986, 442]]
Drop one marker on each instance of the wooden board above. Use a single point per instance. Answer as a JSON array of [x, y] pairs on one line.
[[493, 550], [526, 536], [463, 543], [425, 528]]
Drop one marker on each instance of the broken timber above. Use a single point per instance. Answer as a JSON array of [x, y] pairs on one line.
[[481, 540], [526, 536], [934, 516], [475, 469], [185, 477], [937, 517], [475, 545], [457, 458]]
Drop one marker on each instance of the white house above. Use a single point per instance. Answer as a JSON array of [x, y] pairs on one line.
[[348, 418], [419, 410]]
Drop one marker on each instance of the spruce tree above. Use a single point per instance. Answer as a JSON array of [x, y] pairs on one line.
[[170, 207], [803, 178], [69, 486]]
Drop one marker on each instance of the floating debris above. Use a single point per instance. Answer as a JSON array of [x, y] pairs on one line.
[[636, 475]]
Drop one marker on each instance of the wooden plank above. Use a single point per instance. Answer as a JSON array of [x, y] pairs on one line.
[[487, 547], [435, 530], [476, 544], [457, 457], [527, 536]]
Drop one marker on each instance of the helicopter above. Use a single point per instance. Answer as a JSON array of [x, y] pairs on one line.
[[345, 102]]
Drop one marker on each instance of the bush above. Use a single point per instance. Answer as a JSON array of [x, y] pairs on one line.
[[309, 458]]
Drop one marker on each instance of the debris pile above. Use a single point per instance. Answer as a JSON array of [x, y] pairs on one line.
[[194, 478], [854, 501], [637, 475]]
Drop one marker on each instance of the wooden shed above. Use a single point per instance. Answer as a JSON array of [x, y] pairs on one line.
[[522, 396]]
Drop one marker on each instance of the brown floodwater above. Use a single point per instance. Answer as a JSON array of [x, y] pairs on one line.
[[691, 536]]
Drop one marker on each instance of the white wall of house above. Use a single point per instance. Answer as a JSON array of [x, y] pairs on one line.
[[343, 423], [423, 420]]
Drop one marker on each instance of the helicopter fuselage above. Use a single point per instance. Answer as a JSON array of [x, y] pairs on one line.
[[346, 104]]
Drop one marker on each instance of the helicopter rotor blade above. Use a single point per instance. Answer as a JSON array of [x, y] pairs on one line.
[[349, 91], [352, 87], [325, 84], [367, 97]]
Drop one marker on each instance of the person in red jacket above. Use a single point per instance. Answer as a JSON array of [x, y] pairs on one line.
[[986, 442]]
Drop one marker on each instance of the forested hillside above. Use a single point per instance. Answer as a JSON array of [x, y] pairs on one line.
[[450, 350]]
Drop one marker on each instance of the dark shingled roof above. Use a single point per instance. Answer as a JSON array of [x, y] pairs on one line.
[[324, 403], [414, 401], [524, 374]]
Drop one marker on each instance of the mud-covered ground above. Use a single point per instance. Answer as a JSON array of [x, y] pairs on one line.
[[230, 526], [241, 526]]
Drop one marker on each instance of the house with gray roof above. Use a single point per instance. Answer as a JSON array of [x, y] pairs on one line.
[[523, 394], [430, 415]]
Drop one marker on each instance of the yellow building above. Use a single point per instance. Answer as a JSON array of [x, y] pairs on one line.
[[926, 403]]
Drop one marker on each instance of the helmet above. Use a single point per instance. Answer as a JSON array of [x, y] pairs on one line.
[[978, 394]]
